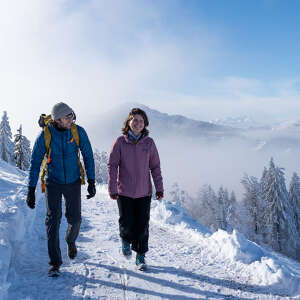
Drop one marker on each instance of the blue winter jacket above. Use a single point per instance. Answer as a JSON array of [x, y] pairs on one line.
[[63, 167]]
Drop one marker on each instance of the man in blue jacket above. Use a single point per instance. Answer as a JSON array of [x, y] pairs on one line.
[[63, 179]]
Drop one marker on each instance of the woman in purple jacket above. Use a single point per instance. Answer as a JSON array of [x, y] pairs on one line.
[[133, 156]]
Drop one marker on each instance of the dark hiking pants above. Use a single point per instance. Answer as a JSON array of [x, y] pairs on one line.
[[72, 196], [134, 221]]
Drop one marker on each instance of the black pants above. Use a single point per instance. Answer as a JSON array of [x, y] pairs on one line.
[[72, 195], [134, 221]]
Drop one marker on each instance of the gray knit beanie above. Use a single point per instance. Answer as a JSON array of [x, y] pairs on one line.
[[60, 110]]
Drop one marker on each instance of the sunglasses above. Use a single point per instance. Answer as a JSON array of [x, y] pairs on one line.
[[70, 116]]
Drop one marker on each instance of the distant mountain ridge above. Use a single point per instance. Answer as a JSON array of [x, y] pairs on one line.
[[282, 137], [242, 122], [287, 125], [162, 124]]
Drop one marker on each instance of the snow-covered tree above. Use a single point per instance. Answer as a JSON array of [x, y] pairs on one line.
[[232, 217], [263, 207], [204, 207], [22, 150], [294, 199], [252, 204], [222, 200], [178, 195], [263, 183], [6, 144], [279, 223], [101, 159]]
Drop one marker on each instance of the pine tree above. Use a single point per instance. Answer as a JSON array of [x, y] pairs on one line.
[[252, 204], [262, 213], [222, 200], [6, 145], [101, 160], [22, 150], [263, 182], [175, 192], [294, 199], [280, 225], [205, 208], [178, 195], [231, 214]]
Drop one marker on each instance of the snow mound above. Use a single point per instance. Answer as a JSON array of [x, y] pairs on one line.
[[235, 246], [168, 212], [15, 218], [264, 268], [259, 266]]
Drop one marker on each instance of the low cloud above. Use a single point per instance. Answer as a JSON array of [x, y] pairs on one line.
[[95, 55], [92, 54]]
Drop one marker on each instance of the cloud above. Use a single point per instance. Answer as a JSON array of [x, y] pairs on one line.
[[238, 85], [97, 54], [263, 100], [94, 54]]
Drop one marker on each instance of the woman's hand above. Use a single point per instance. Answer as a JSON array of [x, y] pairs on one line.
[[159, 195], [114, 196]]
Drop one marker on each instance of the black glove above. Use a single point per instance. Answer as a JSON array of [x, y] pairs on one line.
[[91, 189], [31, 197]]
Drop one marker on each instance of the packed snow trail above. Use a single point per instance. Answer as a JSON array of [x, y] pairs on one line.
[[179, 267]]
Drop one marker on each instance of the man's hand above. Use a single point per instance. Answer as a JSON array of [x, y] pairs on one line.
[[114, 196], [91, 189], [31, 197], [159, 195]]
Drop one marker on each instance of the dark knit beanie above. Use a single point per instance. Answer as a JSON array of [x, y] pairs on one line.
[[60, 110]]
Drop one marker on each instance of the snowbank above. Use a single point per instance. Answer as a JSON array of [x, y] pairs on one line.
[[261, 267], [168, 212], [15, 218]]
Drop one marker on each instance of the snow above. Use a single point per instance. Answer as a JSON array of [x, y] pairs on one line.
[[186, 261], [243, 122], [14, 218], [262, 267]]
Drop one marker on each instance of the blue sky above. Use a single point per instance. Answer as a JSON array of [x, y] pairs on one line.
[[258, 39], [262, 37], [203, 59]]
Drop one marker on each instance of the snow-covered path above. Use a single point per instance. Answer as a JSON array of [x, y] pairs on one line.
[[179, 267]]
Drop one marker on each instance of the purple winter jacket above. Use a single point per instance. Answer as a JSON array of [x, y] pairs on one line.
[[129, 167]]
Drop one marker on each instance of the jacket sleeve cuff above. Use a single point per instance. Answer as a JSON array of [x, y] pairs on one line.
[[113, 192], [31, 188]]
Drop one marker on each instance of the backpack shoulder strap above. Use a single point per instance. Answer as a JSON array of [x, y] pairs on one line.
[[74, 131], [75, 134], [47, 158], [47, 138]]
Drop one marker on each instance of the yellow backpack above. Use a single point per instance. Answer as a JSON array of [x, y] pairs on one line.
[[44, 122]]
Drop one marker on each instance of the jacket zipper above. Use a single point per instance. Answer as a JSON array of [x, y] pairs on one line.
[[135, 175]]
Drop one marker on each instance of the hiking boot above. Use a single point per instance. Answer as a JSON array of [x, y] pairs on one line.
[[140, 262], [72, 250], [126, 249], [54, 271]]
